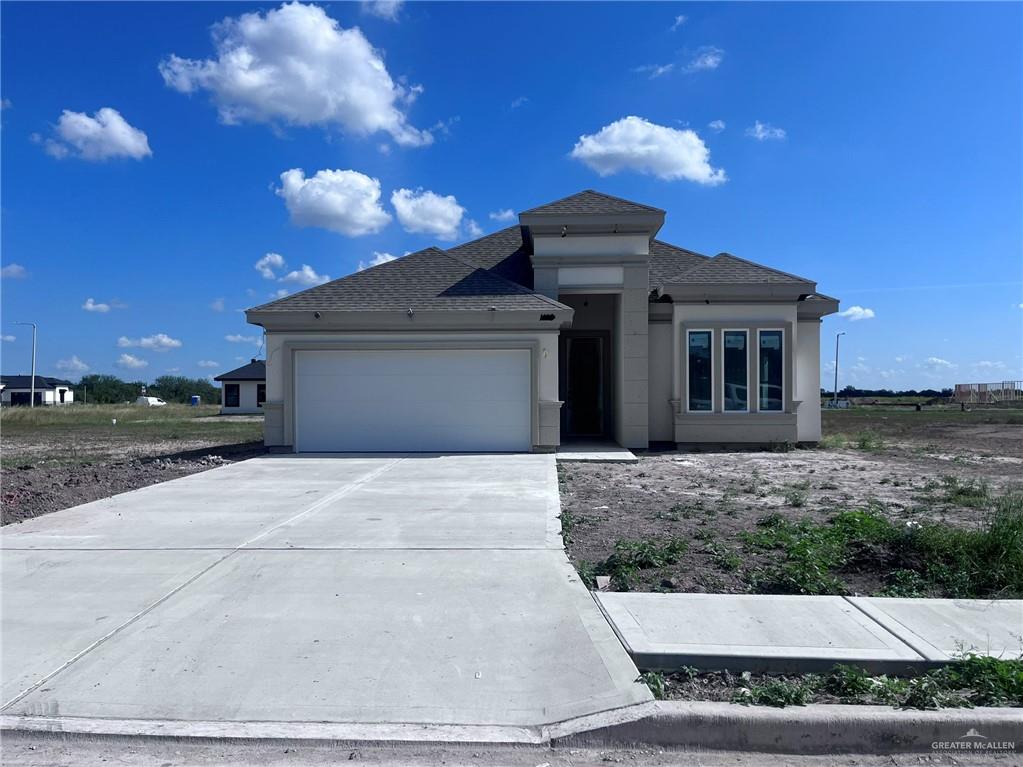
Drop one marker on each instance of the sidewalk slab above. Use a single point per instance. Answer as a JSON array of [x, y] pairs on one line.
[[941, 629], [665, 632], [598, 452]]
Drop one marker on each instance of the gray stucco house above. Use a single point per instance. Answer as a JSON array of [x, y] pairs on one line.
[[243, 390], [576, 323]]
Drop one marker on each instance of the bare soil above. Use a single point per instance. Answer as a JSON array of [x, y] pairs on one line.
[[708, 499]]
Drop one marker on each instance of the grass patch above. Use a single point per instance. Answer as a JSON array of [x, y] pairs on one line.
[[631, 556], [775, 692], [985, 562], [869, 441], [972, 493]]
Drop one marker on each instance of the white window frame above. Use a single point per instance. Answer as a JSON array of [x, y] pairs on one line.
[[724, 399], [784, 377], [713, 381]]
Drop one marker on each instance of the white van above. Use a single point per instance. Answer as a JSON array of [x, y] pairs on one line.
[[150, 402]]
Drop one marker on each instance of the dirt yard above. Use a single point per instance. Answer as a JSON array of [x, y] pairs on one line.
[[54, 458], [715, 521]]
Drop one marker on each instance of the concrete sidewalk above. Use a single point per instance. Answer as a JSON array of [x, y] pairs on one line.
[[396, 591], [743, 632]]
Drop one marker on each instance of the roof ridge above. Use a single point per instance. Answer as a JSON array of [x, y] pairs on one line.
[[485, 236], [768, 268], [724, 255], [603, 195], [607, 196]]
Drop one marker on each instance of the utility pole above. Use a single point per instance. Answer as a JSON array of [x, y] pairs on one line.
[[834, 399], [32, 396]]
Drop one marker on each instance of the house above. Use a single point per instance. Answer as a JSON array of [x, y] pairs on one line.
[[576, 323], [17, 390], [243, 390]]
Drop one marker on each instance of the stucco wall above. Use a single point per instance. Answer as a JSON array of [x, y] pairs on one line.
[[662, 425], [808, 380], [603, 245], [275, 428], [48, 396], [246, 398]]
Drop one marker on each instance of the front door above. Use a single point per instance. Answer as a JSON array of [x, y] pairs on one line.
[[584, 385]]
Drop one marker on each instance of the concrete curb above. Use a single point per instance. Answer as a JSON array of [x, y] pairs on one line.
[[814, 729]]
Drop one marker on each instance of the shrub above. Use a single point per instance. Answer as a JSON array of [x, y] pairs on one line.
[[776, 692], [870, 441]]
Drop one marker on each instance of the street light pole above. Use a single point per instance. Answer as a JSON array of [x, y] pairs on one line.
[[32, 387], [834, 399]]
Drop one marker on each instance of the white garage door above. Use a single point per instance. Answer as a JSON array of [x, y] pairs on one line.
[[429, 400]]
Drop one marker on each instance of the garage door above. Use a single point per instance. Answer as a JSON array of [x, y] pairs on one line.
[[396, 401]]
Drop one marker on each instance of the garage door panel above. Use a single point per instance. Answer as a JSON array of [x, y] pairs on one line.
[[412, 400]]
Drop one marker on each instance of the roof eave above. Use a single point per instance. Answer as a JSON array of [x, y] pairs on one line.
[[545, 318], [732, 291]]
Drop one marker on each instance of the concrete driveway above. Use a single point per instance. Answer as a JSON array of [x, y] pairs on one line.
[[311, 589]]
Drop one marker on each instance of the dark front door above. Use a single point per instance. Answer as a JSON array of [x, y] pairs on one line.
[[584, 385]]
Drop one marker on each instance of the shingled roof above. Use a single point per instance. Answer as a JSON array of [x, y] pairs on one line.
[[253, 371], [592, 203], [430, 279], [667, 261], [25, 382], [504, 253], [724, 268]]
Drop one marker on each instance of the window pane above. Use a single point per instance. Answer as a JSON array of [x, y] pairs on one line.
[[699, 371], [736, 391], [771, 363], [231, 395]]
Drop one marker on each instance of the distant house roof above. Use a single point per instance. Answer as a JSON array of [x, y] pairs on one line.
[[25, 382], [590, 203], [253, 371], [431, 279]]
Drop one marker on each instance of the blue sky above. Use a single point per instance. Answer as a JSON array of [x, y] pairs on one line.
[[874, 148]]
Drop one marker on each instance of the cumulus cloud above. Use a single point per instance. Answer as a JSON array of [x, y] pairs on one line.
[[857, 313], [378, 258], [989, 365], [217, 304], [473, 229], [279, 293], [679, 21], [426, 212], [268, 263], [8, 339], [72, 365], [296, 65], [716, 125], [639, 145], [208, 364], [103, 136], [706, 58], [505, 214], [131, 362], [240, 339], [160, 342], [343, 201], [939, 364], [384, 9], [92, 306], [765, 132], [306, 277], [13, 272]]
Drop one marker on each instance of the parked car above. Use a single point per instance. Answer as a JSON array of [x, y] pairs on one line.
[[150, 402]]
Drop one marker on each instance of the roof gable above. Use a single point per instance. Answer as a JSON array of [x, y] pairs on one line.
[[591, 203], [724, 268]]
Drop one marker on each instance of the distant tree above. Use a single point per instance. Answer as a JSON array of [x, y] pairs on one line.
[[181, 389], [102, 389]]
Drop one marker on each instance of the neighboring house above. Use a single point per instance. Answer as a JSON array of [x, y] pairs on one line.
[[17, 390], [577, 323], [243, 390]]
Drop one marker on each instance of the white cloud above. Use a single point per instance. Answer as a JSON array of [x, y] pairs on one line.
[[473, 229], [344, 201], [161, 342], [857, 313], [173, 370], [279, 293], [208, 364], [384, 9], [103, 136], [378, 258], [989, 365], [765, 132], [639, 145], [900, 359], [521, 101], [306, 276], [654, 70], [939, 363], [679, 21], [8, 339], [706, 58], [426, 212], [131, 362], [72, 365], [716, 125], [505, 214], [240, 339], [297, 65], [13, 272], [217, 305], [92, 306], [266, 265]]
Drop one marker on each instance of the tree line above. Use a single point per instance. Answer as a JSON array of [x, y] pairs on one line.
[[852, 391], [100, 389]]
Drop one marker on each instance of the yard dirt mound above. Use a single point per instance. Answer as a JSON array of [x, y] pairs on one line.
[[29, 490]]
